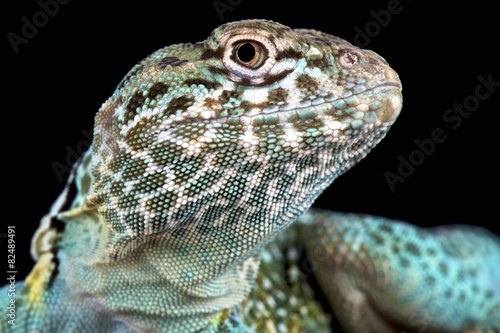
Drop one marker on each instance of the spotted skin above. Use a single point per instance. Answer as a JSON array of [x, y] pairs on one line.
[[204, 154], [382, 275]]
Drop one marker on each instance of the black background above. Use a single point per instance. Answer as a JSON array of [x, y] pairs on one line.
[[58, 80]]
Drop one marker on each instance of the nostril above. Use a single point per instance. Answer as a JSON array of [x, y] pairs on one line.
[[350, 59]]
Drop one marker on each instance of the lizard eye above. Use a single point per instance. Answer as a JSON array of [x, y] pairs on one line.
[[249, 56]]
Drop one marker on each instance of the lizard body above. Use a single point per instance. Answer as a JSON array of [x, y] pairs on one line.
[[382, 275], [204, 154]]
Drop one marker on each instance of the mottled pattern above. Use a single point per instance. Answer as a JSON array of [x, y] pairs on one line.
[[381, 275], [204, 153]]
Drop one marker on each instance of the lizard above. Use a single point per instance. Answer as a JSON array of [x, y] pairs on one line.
[[201, 161], [378, 275]]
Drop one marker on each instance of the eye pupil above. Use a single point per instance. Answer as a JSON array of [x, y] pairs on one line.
[[246, 52]]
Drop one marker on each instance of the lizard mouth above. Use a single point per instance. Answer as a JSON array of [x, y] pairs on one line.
[[380, 104], [390, 101]]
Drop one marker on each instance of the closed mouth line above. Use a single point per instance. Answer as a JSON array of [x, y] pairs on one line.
[[317, 108]]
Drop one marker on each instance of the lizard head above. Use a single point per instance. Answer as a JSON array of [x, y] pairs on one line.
[[228, 140]]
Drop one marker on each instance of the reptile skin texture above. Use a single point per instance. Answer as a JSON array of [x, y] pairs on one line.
[[190, 211]]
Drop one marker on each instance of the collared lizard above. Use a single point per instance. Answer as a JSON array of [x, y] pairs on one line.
[[207, 152]]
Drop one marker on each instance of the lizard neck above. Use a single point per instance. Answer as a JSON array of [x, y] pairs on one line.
[[149, 266]]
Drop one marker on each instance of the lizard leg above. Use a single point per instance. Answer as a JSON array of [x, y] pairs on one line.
[[381, 275]]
